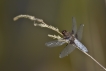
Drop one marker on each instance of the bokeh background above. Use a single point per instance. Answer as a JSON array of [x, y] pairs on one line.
[[22, 45]]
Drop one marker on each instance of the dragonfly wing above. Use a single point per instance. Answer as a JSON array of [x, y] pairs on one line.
[[67, 50], [54, 43], [79, 32], [80, 45], [74, 27]]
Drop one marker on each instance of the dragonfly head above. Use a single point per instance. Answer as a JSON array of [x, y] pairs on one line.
[[66, 33]]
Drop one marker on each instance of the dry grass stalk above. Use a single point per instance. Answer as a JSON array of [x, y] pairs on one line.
[[55, 37], [59, 38], [42, 24], [94, 60], [91, 58]]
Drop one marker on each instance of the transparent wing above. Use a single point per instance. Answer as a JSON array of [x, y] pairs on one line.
[[54, 43], [80, 45], [67, 50], [79, 32], [74, 27]]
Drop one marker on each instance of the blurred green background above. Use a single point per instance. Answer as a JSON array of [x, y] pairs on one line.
[[22, 45]]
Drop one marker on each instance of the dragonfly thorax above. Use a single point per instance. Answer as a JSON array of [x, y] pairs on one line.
[[68, 35]]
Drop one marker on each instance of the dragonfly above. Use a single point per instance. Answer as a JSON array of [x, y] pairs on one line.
[[74, 37]]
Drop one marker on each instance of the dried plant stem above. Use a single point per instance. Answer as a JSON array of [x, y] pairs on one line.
[[93, 59], [55, 37], [42, 24], [59, 38]]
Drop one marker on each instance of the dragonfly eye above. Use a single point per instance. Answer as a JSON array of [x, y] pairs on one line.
[[64, 32]]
